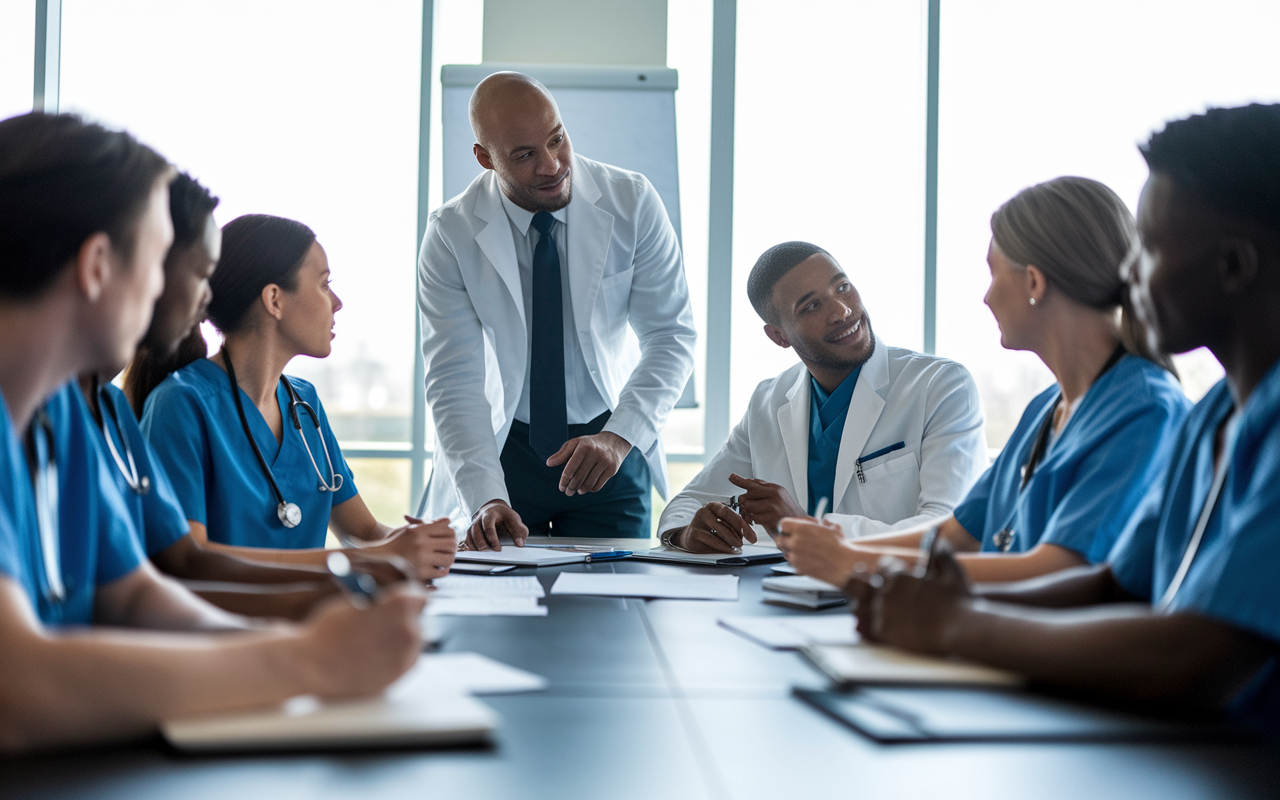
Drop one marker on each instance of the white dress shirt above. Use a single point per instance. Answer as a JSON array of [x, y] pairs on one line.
[[582, 399]]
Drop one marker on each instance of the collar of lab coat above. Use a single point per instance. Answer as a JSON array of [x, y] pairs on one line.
[[864, 411], [589, 229]]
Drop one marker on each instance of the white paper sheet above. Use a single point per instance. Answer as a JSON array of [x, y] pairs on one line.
[[485, 607], [487, 586], [791, 632], [685, 587], [462, 672]]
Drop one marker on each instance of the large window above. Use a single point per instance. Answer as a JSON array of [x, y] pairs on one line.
[[829, 149], [17, 57], [1031, 91], [297, 108]]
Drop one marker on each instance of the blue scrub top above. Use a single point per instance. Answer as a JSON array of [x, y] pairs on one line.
[[192, 422], [156, 513], [97, 540], [1088, 483], [1233, 577], [827, 413]]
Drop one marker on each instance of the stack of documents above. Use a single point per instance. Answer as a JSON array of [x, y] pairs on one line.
[[793, 632], [487, 595], [681, 587], [801, 591]]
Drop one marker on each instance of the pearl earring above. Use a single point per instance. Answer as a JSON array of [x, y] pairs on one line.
[[1033, 301]]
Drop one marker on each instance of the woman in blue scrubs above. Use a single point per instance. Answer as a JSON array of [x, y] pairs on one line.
[[84, 227], [248, 449], [144, 485], [1185, 614], [1086, 448]]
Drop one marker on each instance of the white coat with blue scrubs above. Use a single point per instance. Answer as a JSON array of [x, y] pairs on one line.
[[96, 541], [1233, 576], [911, 445], [1089, 481], [193, 425]]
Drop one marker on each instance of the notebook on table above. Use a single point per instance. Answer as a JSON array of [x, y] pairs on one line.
[[857, 664], [413, 711], [801, 591]]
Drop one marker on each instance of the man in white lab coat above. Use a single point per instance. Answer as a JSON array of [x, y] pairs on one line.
[[879, 436], [556, 331]]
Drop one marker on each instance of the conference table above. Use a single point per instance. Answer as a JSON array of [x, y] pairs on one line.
[[653, 699]]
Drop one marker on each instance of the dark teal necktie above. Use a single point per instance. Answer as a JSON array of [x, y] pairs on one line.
[[548, 418]]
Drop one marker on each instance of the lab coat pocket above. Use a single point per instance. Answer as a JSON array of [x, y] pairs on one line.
[[615, 290], [892, 489]]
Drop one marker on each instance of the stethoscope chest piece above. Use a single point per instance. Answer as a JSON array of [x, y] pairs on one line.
[[289, 513]]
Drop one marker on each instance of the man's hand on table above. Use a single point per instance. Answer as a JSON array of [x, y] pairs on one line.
[[491, 521]]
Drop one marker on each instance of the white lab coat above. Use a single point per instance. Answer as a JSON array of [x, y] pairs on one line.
[[630, 304], [929, 403]]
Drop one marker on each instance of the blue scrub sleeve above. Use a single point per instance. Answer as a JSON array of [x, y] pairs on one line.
[[1235, 581], [1108, 485], [162, 512], [348, 489], [175, 427], [972, 511], [1132, 558]]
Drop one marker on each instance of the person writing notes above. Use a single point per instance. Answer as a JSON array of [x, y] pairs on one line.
[[547, 414], [249, 450], [1186, 611], [84, 227], [1086, 447], [888, 436]]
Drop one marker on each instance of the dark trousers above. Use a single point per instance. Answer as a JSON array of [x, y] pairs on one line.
[[620, 509]]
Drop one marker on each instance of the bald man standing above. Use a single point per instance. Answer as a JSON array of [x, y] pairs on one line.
[[547, 409]]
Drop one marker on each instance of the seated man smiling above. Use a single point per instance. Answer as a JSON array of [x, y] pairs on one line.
[[885, 436]]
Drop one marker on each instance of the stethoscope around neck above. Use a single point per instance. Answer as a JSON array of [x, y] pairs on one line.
[[289, 513]]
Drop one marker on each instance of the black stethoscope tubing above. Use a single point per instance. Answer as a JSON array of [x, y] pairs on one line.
[[290, 514]]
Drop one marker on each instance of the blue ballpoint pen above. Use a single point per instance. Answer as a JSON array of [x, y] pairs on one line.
[[611, 555]]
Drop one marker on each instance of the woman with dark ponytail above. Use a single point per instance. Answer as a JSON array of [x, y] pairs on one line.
[[1061, 491], [249, 450]]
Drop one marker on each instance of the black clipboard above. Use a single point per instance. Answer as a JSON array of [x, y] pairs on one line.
[[917, 715]]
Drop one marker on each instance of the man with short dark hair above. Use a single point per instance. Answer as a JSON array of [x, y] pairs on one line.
[[1202, 552], [879, 436]]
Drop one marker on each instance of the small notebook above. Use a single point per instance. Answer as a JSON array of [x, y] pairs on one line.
[[849, 665], [751, 554], [803, 602], [907, 715]]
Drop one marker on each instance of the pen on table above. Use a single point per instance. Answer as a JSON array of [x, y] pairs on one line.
[[356, 584], [611, 555]]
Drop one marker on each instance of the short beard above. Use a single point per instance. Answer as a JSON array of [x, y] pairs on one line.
[[531, 202], [831, 363]]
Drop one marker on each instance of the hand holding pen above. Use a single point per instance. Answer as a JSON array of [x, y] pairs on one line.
[[913, 608]]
